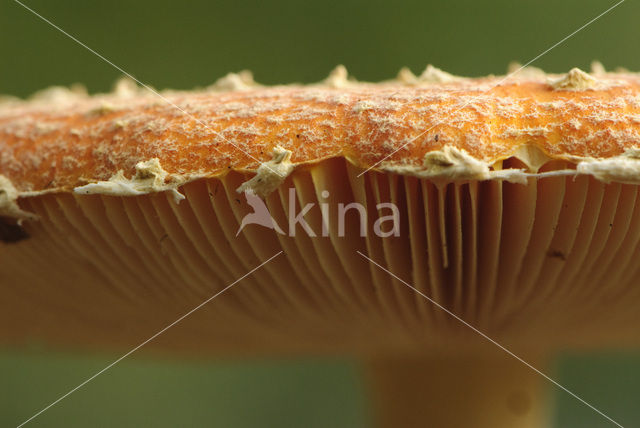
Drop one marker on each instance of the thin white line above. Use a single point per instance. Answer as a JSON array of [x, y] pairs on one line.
[[492, 341], [147, 87], [494, 86], [148, 340]]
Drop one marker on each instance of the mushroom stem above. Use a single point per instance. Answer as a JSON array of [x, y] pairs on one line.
[[449, 392]]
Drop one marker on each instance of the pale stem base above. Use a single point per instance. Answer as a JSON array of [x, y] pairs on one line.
[[441, 392]]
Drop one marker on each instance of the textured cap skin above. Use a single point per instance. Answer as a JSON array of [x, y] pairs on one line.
[[61, 139]]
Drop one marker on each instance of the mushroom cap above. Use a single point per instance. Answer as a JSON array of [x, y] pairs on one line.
[[516, 197]]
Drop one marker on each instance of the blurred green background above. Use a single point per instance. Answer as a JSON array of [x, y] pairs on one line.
[[191, 43]]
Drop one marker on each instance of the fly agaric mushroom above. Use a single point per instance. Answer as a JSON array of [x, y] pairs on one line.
[[412, 214]]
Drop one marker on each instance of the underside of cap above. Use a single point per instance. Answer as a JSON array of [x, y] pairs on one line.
[[544, 265]]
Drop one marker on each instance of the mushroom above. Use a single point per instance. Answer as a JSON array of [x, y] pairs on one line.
[[451, 233]]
